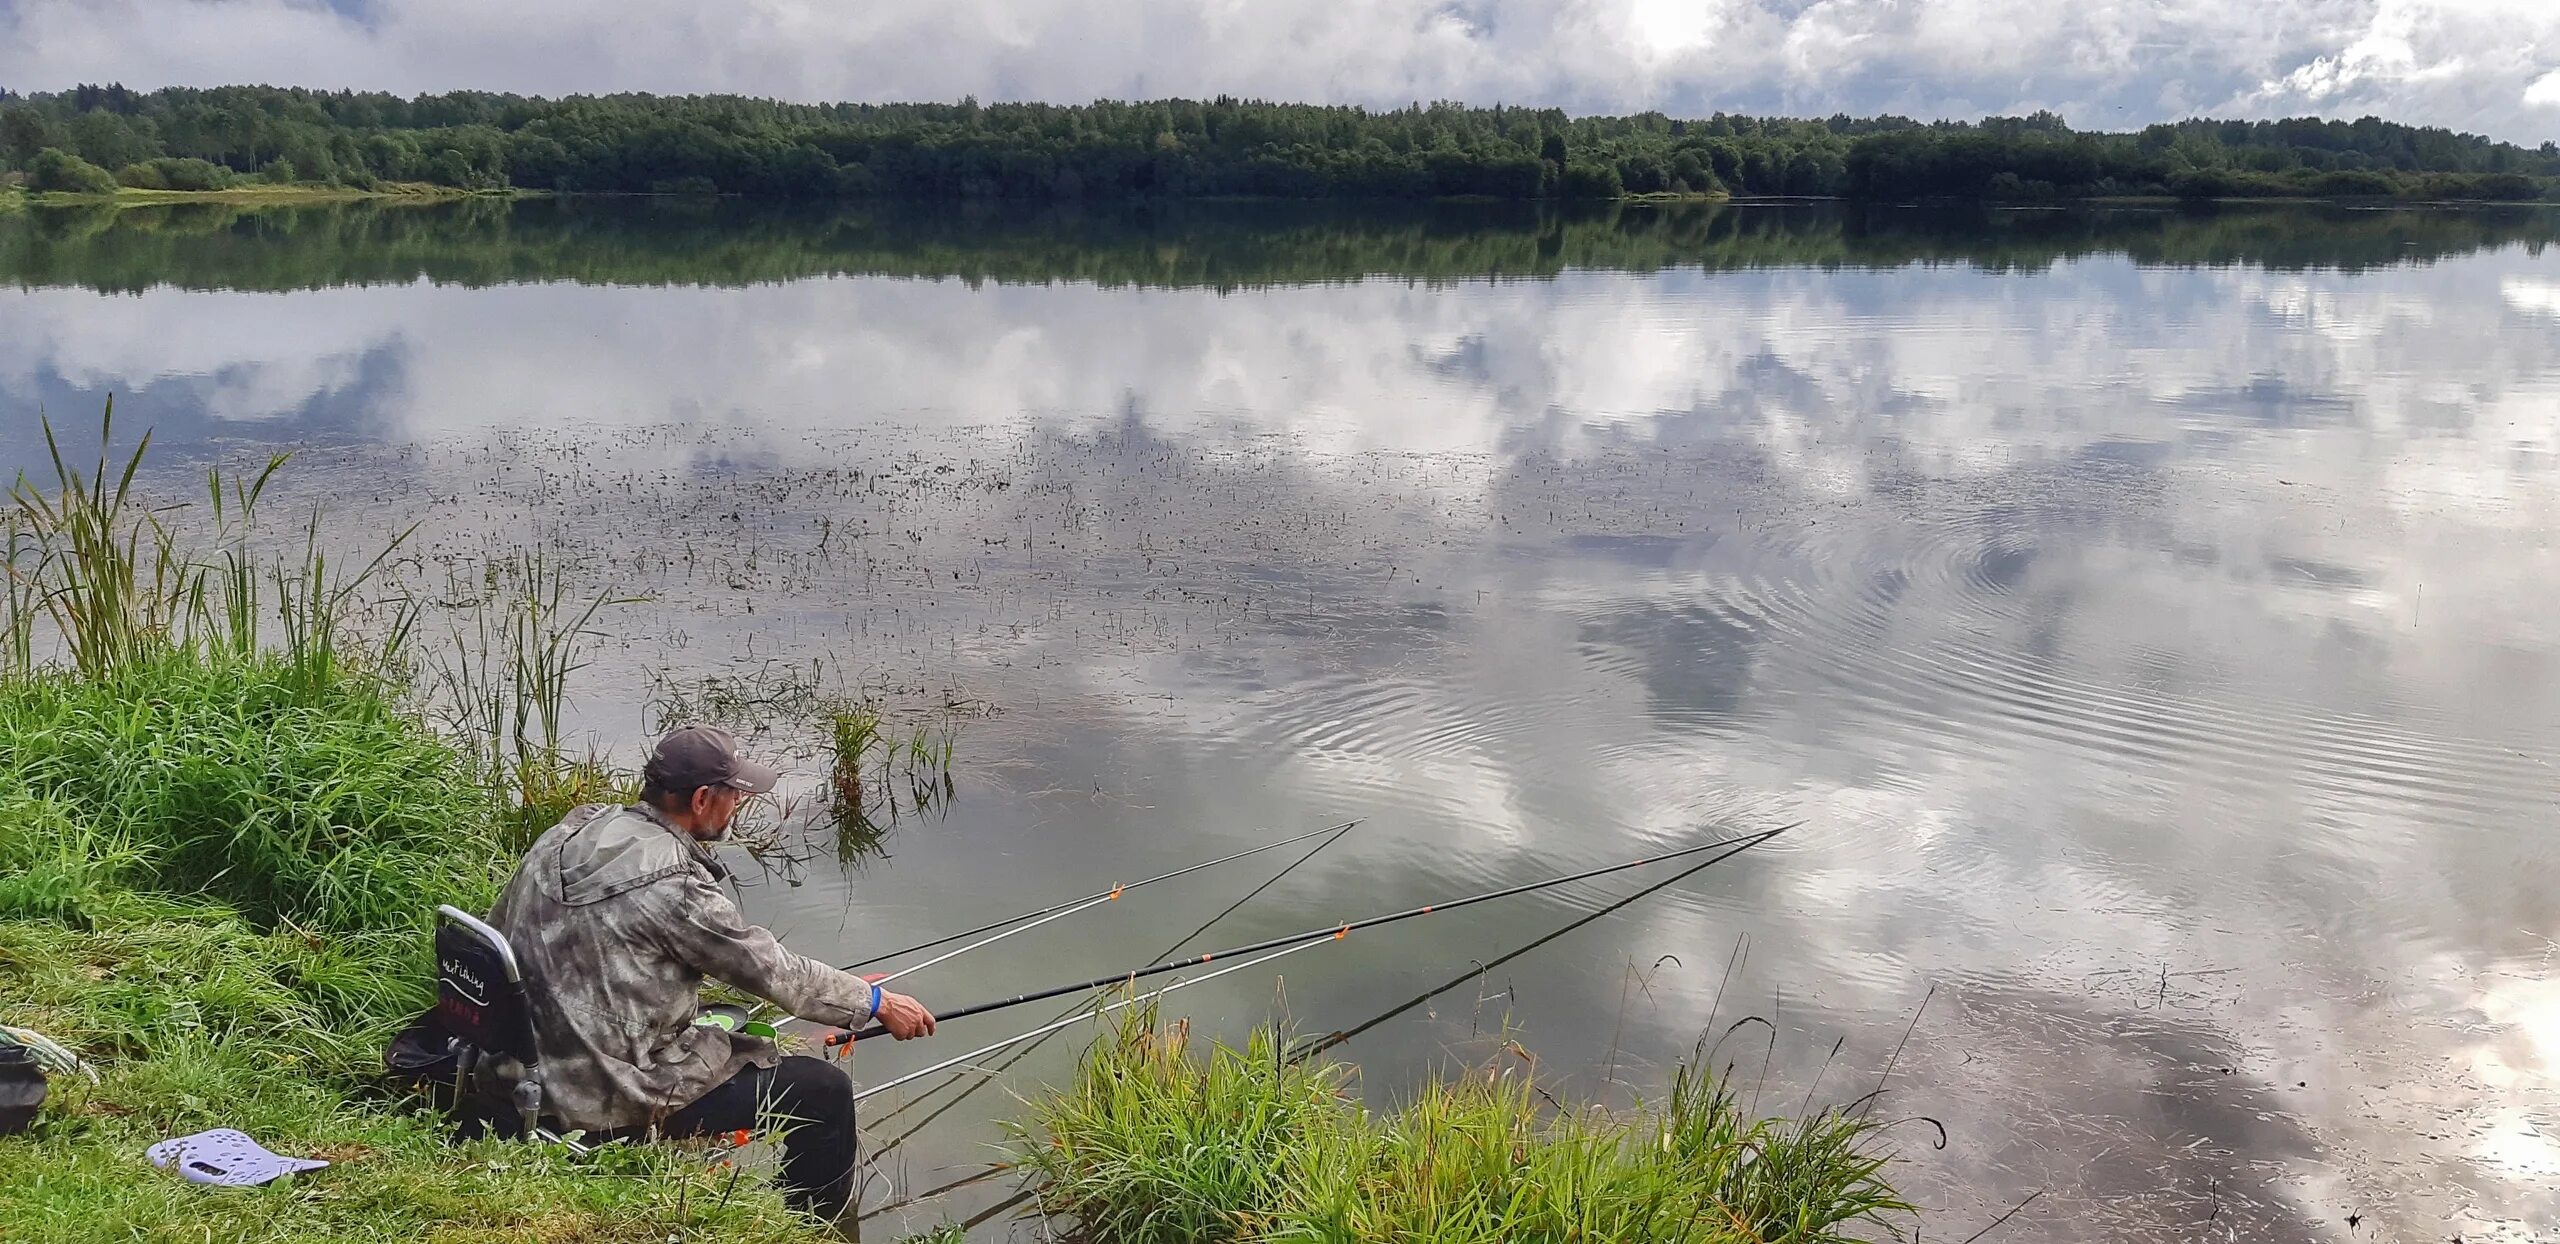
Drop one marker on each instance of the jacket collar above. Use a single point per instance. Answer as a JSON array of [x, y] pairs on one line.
[[700, 850]]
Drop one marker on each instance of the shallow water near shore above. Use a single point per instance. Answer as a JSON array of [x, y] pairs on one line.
[[2146, 613]]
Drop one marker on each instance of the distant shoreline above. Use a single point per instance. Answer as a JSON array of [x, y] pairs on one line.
[[17, 198], [255, 195]]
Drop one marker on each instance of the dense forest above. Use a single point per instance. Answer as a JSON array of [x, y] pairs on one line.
[[96, 138], [729, 242]]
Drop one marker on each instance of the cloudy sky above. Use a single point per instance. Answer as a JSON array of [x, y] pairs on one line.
[[2491, 66]]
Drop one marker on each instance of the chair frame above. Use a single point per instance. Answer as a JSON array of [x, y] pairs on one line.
[[470, 1060]]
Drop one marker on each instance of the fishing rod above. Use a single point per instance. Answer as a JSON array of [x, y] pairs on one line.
[[1077, 1018], [1081, 905], [1479, 971], [1074, 905], [1299, 1054], [1732, 846], [879, 1150]]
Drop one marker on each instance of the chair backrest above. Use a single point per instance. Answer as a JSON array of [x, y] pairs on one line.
[[480, 994]]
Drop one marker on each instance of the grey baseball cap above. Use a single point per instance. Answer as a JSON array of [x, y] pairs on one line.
[[697, 756]]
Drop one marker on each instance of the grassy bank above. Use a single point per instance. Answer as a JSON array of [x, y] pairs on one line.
[[219, 852], [217, 871], [225, 823], [264, 194]]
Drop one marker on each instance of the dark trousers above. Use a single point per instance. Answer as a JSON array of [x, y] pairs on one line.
[[811, 1101]]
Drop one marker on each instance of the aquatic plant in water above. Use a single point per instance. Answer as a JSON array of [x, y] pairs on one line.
[[878, 774], [1154, 1141]]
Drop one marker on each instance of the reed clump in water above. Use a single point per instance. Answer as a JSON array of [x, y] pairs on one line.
[[878, 772], [1154, 1142], [501, 687]]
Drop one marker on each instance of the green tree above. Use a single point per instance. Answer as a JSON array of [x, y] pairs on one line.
[[111, 141], [56, 171], [1591, 181], [174, 173]]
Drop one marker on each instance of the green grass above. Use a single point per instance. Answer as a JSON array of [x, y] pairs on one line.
[[877, 774], [323, 807], [1154, 1143], [222, 836], [197, 1020], [214, 885]]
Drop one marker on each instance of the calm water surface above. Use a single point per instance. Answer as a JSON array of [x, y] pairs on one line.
[[2149, 615]]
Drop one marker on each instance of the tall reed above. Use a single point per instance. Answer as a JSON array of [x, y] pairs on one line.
[[502, 690], [105, 571], [877, 775], [20, 601], [120, 586]]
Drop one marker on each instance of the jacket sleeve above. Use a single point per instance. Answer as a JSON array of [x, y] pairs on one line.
[[695, 922]]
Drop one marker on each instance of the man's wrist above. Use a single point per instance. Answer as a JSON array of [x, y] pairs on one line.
[[875, 1001]]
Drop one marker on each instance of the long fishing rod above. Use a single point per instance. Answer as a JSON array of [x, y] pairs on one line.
[[1095, 901], [1089, 900], [880, 1150], [1077, 1018], [1076, 1007], [1732, 847], [1315, 1046]]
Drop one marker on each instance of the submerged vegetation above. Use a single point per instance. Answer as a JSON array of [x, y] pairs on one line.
[[1154, 1142], [225, 823]]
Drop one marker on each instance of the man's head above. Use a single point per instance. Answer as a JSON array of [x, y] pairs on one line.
[[697, 778]]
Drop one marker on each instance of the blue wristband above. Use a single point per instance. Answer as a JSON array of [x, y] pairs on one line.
[[875, 1002]]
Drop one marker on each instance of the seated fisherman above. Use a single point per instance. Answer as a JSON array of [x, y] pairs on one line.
[[617, 915]]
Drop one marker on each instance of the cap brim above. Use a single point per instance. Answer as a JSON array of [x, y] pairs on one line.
[[753, 778]]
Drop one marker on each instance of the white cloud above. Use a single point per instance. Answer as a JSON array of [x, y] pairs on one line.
[[2484, 65]]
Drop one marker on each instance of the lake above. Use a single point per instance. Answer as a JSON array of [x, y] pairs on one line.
[[2147, 613]]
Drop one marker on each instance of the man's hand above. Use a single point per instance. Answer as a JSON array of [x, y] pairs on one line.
[[904, 1017]]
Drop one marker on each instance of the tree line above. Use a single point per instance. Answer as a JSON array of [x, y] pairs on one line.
[[96, 138]]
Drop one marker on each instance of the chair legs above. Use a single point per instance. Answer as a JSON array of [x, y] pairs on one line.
[[528, 1099]]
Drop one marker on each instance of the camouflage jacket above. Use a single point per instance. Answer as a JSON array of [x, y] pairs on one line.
[[616, 917]]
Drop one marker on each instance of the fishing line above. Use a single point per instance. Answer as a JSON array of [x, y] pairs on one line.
[[1025, 927], [1025, 1052], [1317, 1046], [1045, 1029], [1103, 896]]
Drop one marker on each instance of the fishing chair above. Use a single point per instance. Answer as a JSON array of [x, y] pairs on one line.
[[473, 1053], [481, 1006]]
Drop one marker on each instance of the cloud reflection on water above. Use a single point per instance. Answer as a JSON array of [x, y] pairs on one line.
[[2113, 625]]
